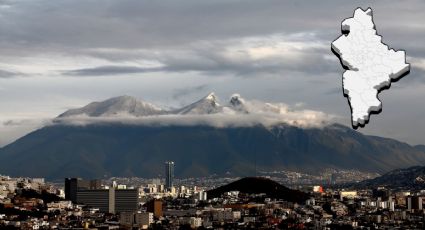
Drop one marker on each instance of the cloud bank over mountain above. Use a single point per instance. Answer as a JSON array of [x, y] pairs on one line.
[[206, 111]]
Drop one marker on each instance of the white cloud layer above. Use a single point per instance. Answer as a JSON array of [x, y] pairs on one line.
[[299, 119], [254, 113]]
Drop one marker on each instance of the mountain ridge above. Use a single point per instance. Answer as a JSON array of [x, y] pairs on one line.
[[127, 105], [403, 178], [207, 105], [123, 136], [115, 106], [112, 149]]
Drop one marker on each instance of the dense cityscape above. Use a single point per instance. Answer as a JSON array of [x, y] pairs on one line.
[[170, 203], [224, 114]]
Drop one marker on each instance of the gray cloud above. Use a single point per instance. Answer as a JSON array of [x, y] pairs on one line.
[[13, 129], [219, 57], [17, 122], [8, 74], [129, 24], [416, 76], [189, 35], [110, 70], [184, 92], [9, 123]]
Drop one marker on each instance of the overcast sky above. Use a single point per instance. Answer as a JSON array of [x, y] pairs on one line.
[[61, 54]]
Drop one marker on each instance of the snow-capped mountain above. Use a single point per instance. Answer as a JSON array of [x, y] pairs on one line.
[[132, 107], [117, 106], [237, 103], [207, 105], [123, 136], [236, 112]]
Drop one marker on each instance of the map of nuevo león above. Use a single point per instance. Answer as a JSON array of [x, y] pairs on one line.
[[370, 65]]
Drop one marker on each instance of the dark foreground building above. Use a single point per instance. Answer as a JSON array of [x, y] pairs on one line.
[[110, 200]]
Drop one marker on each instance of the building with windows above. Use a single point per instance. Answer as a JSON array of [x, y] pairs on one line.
[[414, 203], [72, 185], [103, 199], [126, 200], [169, 174], [139, 220], [90, 193], [155, 206]]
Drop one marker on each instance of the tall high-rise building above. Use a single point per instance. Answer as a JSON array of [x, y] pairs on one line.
[[71, 186], [169, 174]]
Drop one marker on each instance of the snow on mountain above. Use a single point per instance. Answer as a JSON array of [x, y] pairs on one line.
[[117, 106], [132, 107], [206, 111], [207, 105], [237, 103]]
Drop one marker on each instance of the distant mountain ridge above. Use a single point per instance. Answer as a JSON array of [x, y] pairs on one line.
[[123, 105], [126, 107], [404, 178], [130, 106], [111, 149], [203, 138]]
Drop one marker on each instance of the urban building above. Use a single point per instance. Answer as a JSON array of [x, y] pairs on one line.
[[72, 185], [109, 200], [138, 220], [97, 198], [115, 208], [348, 194], [91, 194], [126, 200], [169, 174], [414, 203], [155, 206]]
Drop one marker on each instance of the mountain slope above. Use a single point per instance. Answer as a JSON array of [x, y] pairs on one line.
[[420, 147], [207, 105], [111, 149], [123, 105], [407, 178]]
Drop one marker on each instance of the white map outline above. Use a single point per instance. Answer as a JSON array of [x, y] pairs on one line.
[[370, 65]]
